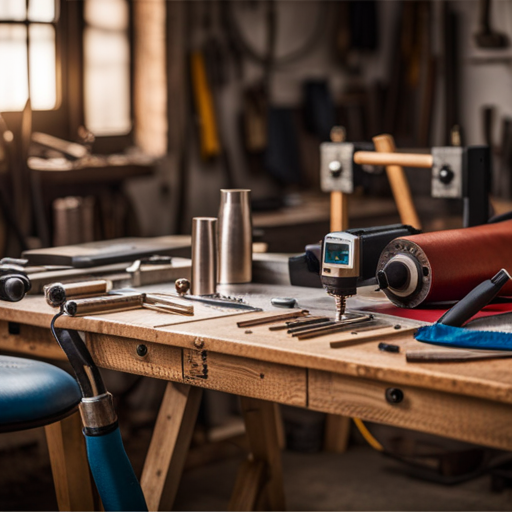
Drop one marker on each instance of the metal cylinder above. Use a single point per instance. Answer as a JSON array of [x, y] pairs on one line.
[[204, 255], [235, 237]]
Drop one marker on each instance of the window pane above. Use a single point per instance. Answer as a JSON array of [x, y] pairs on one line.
[[107, 14], [13, 10], [13, 62], [41, 10], [42, 67], [107, 82]]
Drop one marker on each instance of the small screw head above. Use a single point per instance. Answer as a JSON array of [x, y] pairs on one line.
[[394, 395], [182, 285], [198, 343], [142, 350], [335, 168], [446, 175]]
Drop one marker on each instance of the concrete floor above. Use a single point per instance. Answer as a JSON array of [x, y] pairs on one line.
[[360, 479]]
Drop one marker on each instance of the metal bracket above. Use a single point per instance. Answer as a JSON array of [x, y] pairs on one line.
[[336, 167], [447, 178]]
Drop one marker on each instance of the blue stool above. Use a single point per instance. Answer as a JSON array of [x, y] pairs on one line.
[[35, 394]]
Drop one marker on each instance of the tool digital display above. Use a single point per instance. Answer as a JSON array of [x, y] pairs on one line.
[[336, 253]]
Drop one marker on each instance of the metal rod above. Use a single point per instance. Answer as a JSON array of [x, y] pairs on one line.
[[272, 319], [299, 323], [310, 327], [330, 329], [159, 301], [164, 308], [104, 304], [372, 336]]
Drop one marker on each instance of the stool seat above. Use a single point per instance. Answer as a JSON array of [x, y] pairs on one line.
[[33, 393]]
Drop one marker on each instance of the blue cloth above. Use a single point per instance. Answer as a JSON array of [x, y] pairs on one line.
[[440, 334], [31, 391], [113, 474]]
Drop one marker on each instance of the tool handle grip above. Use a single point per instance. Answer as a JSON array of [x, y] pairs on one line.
[[113, 474], [475, 300]]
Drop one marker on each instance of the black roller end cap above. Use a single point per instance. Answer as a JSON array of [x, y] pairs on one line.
[[14, 289], [397, 274]]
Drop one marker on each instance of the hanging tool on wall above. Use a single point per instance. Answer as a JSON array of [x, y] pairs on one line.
[[486, 36], [209, 138]]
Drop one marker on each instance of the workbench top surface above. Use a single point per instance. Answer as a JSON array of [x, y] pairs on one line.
[[216, 329]]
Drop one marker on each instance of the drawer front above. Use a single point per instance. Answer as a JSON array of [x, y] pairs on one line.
[[468, 419]]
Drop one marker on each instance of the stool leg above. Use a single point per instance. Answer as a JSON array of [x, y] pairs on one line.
[[169, 445], [70, 469], [260, 425]]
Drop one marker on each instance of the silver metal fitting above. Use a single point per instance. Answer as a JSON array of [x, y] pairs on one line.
[[98, 411]]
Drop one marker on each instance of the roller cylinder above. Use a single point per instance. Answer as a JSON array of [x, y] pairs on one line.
[[444, 265]]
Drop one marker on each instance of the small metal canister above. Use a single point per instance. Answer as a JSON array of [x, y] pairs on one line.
[[235, 237], [204, 255]]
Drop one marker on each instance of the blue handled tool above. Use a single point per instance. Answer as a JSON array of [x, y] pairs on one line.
[[113, 474], [447, 331]]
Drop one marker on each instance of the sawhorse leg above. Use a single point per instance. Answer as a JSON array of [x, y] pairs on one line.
[[261, 476], [169, 445], [70, 469]]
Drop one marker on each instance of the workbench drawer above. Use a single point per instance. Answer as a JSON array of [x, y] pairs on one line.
[[460, 417]]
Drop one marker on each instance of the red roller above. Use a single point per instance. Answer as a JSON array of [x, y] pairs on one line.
[[444, 265]]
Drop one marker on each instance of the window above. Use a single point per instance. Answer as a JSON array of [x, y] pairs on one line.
[[107, 67], [28, 54]]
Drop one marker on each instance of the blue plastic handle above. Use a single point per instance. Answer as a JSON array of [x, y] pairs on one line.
[[113, 474]]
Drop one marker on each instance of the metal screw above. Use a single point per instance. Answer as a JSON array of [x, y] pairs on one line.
[[142, 350], [446, 175], [198, 343], [335, 168], [394, 395]]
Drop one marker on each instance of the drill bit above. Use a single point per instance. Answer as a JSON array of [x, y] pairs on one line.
[[341, 302]]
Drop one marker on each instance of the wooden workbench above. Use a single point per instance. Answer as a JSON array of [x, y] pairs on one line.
[[469, 401]]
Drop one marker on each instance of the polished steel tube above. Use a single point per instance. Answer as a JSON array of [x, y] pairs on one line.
[[204, 255], [235, 237]]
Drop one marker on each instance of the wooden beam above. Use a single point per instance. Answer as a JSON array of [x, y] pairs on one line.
[[169, 445]]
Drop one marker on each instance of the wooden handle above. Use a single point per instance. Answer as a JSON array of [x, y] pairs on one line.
[[398, 181], [339, 211], [423, 161]]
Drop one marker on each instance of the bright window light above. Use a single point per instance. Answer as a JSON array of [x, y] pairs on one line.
[[13, 10], [40, 10], [13, 59], [107, 67], [16, 61], [43, 87]]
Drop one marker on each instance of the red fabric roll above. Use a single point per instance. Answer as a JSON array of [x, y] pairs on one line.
[[460, 259]]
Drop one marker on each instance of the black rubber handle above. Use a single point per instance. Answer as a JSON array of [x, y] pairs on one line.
[[475, 300]]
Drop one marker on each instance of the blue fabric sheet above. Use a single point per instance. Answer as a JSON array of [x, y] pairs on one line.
[[440, 334]]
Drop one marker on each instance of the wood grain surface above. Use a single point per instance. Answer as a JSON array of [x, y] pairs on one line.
[[219, 334], [465, 418]]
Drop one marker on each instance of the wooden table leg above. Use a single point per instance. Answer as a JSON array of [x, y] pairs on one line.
[[70, 469], [337, 433], [169, 445], [253, 477]]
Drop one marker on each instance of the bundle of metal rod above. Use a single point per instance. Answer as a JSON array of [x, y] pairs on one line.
[[57, 293], [299, 323], [154, 301], [273, 318], [333, 327]]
